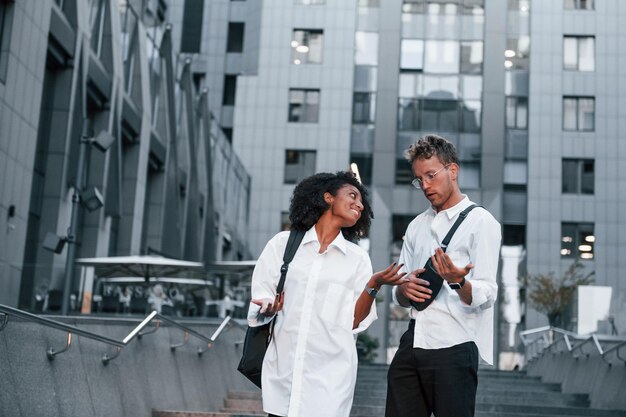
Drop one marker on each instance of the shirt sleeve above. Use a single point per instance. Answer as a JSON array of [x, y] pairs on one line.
[[363, 274], [265, 278], [485, 253], [406, 255]]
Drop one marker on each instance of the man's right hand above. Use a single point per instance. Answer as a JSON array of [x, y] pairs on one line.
[[413, 289], [268, 306]]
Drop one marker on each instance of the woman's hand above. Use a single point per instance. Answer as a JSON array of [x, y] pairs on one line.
[[268, 306], [388, 276]]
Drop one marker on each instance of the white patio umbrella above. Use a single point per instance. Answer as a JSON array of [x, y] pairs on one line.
[[146, 266]]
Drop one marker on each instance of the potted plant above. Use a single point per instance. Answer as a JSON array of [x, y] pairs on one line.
[[553, 296]]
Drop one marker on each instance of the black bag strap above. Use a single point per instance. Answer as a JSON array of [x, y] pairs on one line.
[[462, 216], [295, 238]]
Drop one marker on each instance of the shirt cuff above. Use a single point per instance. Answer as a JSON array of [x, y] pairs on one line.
[[365, 323], [255, 319], [481, 295]]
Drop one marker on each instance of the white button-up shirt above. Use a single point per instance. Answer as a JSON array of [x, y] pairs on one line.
[[448, 321], [311, 363]]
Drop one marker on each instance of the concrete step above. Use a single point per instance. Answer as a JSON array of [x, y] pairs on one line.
[[500, 394], [166, 413]]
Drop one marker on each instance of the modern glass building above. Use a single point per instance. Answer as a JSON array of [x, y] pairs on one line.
[[109, 146], [531, 92], [528, 91]]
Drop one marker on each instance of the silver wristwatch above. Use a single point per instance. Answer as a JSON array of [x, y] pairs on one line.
[[457, 285], [371, 291]]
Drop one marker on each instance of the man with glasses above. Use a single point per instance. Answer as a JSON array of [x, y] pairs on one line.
[[435, 367]]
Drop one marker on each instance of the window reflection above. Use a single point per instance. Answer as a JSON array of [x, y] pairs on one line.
[[410, 85], [364, 108], [412, 55], [471, 112], [441, 57], [366, 44], [472, 57], [441, 87], [306, 46], [440, 115], [472, 87]]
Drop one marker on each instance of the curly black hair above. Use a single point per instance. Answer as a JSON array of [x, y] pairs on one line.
[[308, 204]]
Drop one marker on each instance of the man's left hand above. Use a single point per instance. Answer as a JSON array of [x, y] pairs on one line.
[[446, 268]]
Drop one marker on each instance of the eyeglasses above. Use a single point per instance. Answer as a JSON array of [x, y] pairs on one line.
[[418, 182]]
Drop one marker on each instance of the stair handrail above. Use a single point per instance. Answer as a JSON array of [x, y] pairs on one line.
[[545, 339], [615, 349], [597, 340], [7, 311]]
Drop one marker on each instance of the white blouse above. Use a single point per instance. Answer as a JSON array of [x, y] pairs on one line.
[[311, 363], [448, 321]]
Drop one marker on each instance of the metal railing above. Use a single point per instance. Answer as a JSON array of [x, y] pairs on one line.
[[547, 339], [6, 312]]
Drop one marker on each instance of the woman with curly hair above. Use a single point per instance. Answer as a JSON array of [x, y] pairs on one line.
[[311, 363]]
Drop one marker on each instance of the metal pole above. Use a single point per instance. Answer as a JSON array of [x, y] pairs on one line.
[[71, 231]]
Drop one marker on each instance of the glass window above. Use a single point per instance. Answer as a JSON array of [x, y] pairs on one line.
[[471, 112], [230, 89], [440, 115], [472, 87], [235, 37], [517, 112], [364, 164], [442, 7], [96, 23], [413, 6], [5, 32], [310, 2], [578, 4], [409, 114], [469, 175], [303, 105], [578, 176], [366, 44], [473, 7], [579, 113], [412, 55], [306, 46], [472, 57], [364, 108], [299, 164], [369, 3], [365, 78], [404, 173], [441, 57], [444, 87], [579, 53], [577, 240], [410, 85], [516, 53]]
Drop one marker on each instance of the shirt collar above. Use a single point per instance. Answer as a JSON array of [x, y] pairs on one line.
[[456, 209], [339, 242]]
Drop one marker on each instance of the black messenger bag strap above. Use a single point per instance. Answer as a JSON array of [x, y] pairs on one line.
[[295, 238], [430, 274], [462, 216]]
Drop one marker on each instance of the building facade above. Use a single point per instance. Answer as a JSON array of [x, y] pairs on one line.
[[528, 91], [109, 145]]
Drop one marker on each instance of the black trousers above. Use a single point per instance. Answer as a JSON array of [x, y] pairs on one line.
[[425, 381]]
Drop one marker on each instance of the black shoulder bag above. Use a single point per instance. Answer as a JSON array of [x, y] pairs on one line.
[[258, 338], [430, 274]]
